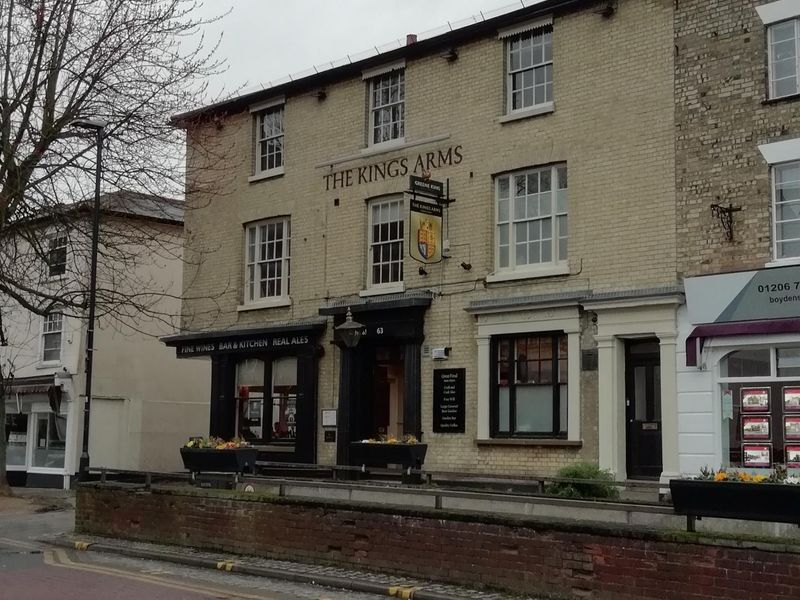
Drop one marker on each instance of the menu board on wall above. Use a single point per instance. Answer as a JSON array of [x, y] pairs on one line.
[[755, 428], [448, 400], [754, 455], [755, 399]]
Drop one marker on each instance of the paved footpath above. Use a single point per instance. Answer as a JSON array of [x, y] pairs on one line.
[[31, 569]]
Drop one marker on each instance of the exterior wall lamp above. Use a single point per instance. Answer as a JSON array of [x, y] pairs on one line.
[[350, 331]]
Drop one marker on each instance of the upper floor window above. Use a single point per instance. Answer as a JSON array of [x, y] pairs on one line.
[[386, 241], [786, 213], [57, 255], [387, 107], [530, 69], [269, 141], [267, 260], [784, 58], [529, 385], [51, 337], [531, 215]]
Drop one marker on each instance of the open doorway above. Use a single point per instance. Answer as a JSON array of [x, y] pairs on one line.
[[387, 397]]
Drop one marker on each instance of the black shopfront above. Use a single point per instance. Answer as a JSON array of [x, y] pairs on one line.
[[263, 385], [380, 378]]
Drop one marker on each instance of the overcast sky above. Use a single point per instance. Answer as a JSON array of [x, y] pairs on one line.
[[265, 40]]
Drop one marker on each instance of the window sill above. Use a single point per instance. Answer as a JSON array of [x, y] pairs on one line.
[[782, 262], [384, 147], [549, 442], [544, 109], [266, 175], [52, 364], [380, 290], [271, 303], [552, 271], [788, 98]]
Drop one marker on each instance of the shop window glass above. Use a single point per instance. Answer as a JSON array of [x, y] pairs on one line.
[[268, 418], [746, 363], [51, 434], [284, 398], [788, 362], [250, 399], [16, 439]]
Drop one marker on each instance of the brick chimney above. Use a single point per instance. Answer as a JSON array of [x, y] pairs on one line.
[[411, 38]]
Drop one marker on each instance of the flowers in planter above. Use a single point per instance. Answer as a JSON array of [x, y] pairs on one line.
[[383, 439], [216, 443], [779, 475]]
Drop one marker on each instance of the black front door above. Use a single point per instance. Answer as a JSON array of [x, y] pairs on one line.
[[643, 408]]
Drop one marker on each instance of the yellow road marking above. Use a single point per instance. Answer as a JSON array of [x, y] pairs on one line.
[[225, 565], [82, 545], [59, 558], [406, 593], [18, 544]]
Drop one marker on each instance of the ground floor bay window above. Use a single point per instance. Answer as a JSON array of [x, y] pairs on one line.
[[530, 385]]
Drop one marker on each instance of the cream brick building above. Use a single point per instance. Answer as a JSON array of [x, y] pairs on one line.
[[544, 331]]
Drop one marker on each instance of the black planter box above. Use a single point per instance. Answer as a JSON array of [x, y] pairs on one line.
[[775, 502], [380, 455], [211, 460]]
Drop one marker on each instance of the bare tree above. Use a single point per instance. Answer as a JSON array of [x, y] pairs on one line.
[[132, 64]]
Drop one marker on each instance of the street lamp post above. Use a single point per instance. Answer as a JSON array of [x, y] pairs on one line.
[[98, 127]]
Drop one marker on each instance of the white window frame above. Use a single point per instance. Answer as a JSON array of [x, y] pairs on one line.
[[259, 112], [770, 32], [535, 322], [375, 109], [775, 221], [536, 30], [557, 264], [47, 329], [51, 247], [386, 202], [252, 262]]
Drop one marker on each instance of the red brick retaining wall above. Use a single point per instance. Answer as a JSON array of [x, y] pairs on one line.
[[559, 559]]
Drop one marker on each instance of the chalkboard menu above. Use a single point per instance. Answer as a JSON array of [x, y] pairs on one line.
[[448, 400]]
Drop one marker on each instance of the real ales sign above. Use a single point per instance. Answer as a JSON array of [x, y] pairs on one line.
[[425, 223]]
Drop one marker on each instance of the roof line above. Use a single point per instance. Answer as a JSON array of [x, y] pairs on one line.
[[314, 77]]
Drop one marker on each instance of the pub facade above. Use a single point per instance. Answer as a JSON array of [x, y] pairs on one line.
[[493, 207]]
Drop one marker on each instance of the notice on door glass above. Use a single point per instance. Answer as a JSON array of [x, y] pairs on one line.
[[448, 400]]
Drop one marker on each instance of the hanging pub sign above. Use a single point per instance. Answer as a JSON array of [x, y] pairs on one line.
[[426, 187], [425, 241], [449, 400]]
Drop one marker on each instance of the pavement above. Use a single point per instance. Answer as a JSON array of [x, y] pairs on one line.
[[367, 582], [39, 552]]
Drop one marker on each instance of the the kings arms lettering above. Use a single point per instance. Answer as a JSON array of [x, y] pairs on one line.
[[397, 167]]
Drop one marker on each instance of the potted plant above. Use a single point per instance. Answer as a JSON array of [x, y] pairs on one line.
[[384, 451], [217, 455], [739, 495]]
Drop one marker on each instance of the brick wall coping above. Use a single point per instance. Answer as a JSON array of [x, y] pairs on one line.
[[452, 493], [632, 532]]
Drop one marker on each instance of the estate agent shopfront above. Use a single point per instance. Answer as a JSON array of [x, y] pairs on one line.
[[263, 385], [739, 374]]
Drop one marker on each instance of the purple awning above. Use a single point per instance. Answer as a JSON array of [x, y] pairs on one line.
[[695, 341]]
